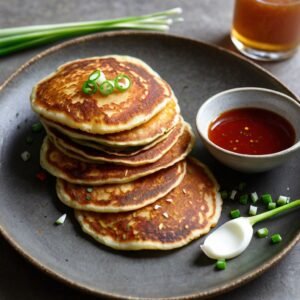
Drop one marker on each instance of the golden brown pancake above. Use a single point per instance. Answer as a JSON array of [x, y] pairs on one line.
[[121, 197], [74, 171], [90, 155], [186, 213], [144, 134], [59, 97]]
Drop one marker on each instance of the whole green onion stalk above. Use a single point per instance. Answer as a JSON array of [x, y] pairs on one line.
[[20, 38]]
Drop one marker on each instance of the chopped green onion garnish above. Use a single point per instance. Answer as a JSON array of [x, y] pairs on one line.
[[233, 194], [224, 195], [106, 88], [283, 200], [271, 205], [89, 87], [29, 139], [266, 198], [221, 264], [252, 210], [88, 197], [89, 189], [235, 214], [242, 186], [254, 197], [36, 127], [122, 82], [61, 219], [95, 75], [276, 238], [25, 156], [244, 199], [262, 232]]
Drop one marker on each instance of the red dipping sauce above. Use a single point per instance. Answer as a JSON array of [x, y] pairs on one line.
[[251, 131]]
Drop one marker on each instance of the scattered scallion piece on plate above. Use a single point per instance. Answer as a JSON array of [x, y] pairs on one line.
[[25, 155], [272, 205], [29, 140], [221, 264], [276, 238], [233, 194], [37, 127], [262, 232], [235, 214], [61, 219], [224, 195], [254, 197], [19, 38], [266, 198], [252, 210], [244, 199], [282, 200], [242, 186]]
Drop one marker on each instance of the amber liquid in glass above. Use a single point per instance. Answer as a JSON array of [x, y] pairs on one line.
[[267, 25]]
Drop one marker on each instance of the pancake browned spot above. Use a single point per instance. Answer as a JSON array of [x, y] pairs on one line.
[[186, 213], [74, 171], [121, 197], [144, 134], [67, 146], [59, 97]]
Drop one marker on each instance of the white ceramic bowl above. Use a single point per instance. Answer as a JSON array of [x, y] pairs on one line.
[[271, 100]]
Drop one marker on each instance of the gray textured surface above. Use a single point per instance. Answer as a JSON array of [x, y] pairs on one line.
[[207, 20]]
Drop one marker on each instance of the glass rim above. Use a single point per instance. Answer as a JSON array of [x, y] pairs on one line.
[[279, 3]]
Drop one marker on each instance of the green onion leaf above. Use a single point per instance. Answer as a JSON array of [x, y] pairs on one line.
[[106, 88], [283, 200], [233, 194], [37, 127], [61, 219]]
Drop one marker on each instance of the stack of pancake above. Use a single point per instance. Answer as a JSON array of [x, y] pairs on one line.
[[120, 159]]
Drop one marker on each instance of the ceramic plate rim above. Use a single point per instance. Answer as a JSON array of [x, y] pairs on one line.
[[199, 295]]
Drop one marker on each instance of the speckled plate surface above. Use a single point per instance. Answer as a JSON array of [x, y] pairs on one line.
[[29, 208]]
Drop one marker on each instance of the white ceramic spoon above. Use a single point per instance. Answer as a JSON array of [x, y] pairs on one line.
[[233, 237]]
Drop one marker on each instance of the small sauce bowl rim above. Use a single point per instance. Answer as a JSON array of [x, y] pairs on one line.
[[294, 147]]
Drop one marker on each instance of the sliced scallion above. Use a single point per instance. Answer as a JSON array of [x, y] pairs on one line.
[[244, 199], [95, 75], [61, 219], [106, 88], [242, 186], [276, 238], [254, 197], [224, 195], [37, 127], [233, 194], [282, 200], [89, 87], [271, 205], [122, 82], [252, 210], [262, 232], [25, 155], [266, 198], [221, 264], [235, 214]]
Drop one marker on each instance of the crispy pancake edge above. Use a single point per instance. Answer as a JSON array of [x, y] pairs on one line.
[[66, 199]]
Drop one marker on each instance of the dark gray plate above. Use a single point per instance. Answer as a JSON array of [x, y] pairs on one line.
[[196, 71]]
